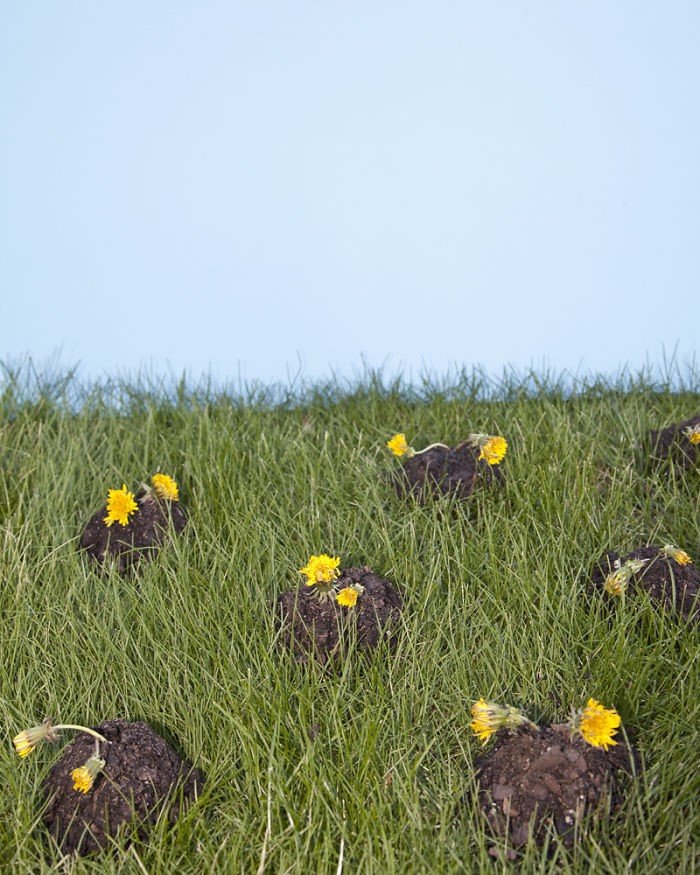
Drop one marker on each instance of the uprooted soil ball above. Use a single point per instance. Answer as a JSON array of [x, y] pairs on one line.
[[321, 629], [674, 586], [549, 777], [143, 777], [672, 446], [142, 537], [443, 471]]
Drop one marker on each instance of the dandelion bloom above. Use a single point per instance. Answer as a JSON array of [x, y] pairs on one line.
[[680, 556], [488, 717], [28, 739], [598, 724], [616, 583], [321, 569], [693, 434], [120, 506], [484, 721], [347, 597], [84, 777], [165, 487], [493, 449], [399, 445]]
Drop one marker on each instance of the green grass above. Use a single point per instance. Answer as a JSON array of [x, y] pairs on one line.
[[494, 606]]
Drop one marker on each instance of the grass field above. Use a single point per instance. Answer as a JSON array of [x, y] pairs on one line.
[[495, 606]]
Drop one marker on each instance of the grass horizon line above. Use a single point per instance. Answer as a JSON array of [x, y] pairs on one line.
[[23, 382]]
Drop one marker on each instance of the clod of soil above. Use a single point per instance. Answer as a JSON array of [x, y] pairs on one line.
[[144, 535], [322, 629], [672, 446], [674, 585], [142, 777], [550, 776], [440, 471]]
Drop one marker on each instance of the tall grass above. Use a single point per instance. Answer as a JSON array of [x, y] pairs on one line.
[[363, 770]]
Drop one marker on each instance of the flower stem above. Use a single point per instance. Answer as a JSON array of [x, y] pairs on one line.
[[431, 447], [82, 729]]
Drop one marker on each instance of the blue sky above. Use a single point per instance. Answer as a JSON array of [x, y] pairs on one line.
[[250, 188]]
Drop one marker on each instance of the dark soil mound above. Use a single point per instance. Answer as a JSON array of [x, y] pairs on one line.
[[142, 537], [441, 470], [550, 775], [672, 446], [141, 776], [674, 585], [321, 629]]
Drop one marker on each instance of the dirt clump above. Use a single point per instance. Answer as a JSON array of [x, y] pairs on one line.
[[443, 470], [673, 585], [550, 776], [142, 537], [141, 777], [672, 446], [320, 629]]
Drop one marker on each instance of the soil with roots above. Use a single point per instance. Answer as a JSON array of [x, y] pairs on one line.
[[320, 629], [532, 781], [147, 531], [673, 586], [444, 471], [143, 778], [671, 446]]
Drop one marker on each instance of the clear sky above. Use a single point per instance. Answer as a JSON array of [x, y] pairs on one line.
[[253, 187]]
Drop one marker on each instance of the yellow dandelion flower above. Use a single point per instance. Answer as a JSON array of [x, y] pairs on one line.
[[165, 487], [616, 583], [693, 434], [680, 556], [399, 446], [493, 449], [489, 717], [120, 506], [28, 739], [484, 722], [84, 777], [321, 569], [598, 724], [348, 596]]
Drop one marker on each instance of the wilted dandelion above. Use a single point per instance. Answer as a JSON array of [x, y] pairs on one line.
[[84, 776], [692, 432], [617, 581], [28, 739], [165, 487], [489, 717], [680, 556]]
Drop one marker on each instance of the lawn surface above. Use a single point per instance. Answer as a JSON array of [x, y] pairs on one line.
[[361, 771]]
